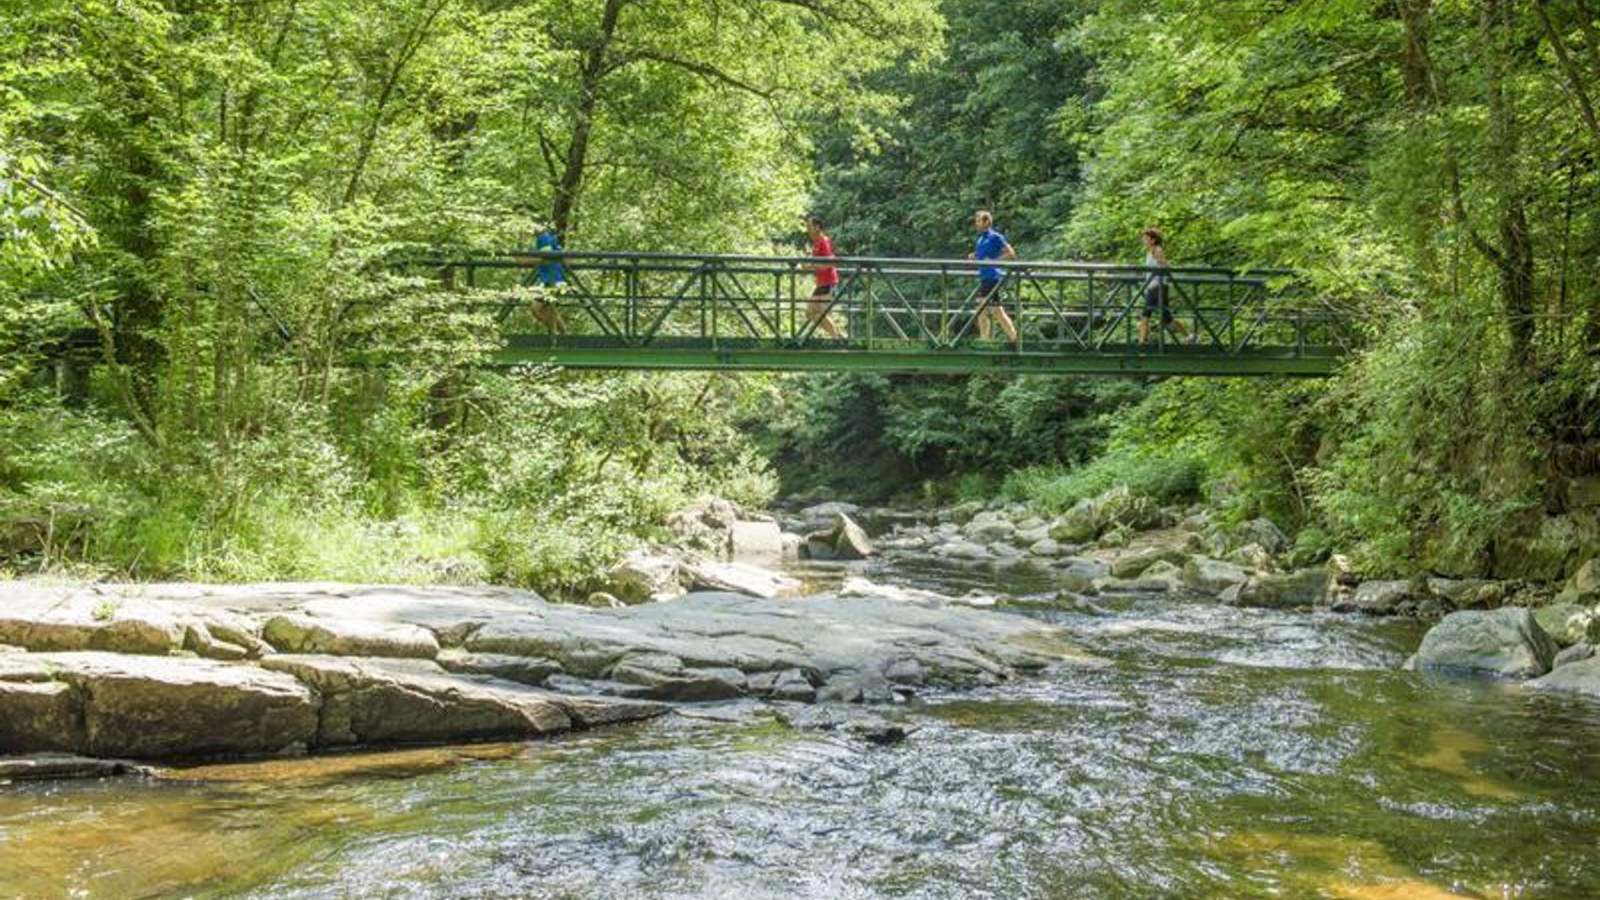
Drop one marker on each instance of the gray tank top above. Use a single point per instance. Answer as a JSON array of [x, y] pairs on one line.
[[1159, 278]]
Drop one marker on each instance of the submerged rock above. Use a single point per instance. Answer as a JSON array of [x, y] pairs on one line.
[[1506, 642], [64, 765]]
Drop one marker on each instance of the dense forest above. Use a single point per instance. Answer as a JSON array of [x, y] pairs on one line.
[[204, 185]]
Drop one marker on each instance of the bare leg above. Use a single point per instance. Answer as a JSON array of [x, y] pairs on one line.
[[817, 312], [549, 317], [1006, 325], [1144, 330], [984, 324]]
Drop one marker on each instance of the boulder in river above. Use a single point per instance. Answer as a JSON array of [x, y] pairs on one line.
[[1080, 524], [845, 540], [989, 526], [759, 542], [740, 578], [1581, 676], [963, 550], [1469, 593], [1567, 623], [662, 676], [1135, 562], [1506, 642], [1287, 590], [1576, 653], [1376, 598], [646, 574], [369, 701], [1210, 576], [1046, 547]]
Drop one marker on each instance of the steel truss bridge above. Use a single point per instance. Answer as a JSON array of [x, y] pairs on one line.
[[681, 311]]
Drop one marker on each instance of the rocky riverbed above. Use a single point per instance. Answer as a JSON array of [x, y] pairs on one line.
[[160, 671], [173, 671]]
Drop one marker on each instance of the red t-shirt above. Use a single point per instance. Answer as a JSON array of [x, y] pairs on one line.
[[825, 274]]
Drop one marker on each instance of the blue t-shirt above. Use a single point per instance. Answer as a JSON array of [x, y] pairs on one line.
[[550, 272], [990, 245]]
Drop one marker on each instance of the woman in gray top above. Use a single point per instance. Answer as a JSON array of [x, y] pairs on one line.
[[1155, 292]]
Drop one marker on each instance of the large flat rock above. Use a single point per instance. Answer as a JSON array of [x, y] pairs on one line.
[[87, 618], [702, 646], [113, 704], [827, 638], [368, 701]]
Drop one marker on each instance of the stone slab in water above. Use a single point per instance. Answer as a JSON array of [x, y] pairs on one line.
[[64, 765]]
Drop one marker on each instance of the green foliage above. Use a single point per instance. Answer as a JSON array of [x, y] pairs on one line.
[[875, 436], [984, 128], [1163, 475]]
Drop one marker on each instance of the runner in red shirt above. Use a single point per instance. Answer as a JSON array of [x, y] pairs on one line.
[[827, 280]]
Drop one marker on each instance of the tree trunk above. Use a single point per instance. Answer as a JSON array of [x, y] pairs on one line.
[[1515, 256], [595, 62]]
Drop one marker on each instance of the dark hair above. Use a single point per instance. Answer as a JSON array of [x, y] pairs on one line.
[[814, 220], [1154, 235]]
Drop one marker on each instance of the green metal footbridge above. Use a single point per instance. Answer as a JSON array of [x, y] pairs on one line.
[[678, 311]]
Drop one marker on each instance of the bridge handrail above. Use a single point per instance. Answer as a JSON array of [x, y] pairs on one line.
[[509, 258]]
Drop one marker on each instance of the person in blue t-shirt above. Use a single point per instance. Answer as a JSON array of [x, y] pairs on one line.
[[548, 280], [991, 244]]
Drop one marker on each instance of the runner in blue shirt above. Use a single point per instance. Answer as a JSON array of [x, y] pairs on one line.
[[547, 281], [991, 244]]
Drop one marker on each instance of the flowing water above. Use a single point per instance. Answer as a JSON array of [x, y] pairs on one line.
[[1222, 754]]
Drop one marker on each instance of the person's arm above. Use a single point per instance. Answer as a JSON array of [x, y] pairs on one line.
[[1008, 251], [1160, 254]]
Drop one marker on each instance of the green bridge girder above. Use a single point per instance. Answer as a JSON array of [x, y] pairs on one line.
[[734, 355], [721, 312]]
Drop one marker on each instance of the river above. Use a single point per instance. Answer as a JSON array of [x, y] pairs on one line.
[[1222, 753]]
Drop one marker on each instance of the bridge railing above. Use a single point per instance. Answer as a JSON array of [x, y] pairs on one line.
[[662, 299]]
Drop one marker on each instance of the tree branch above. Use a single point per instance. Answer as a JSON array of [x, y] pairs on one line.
[[704, 70], [1574, 83]]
